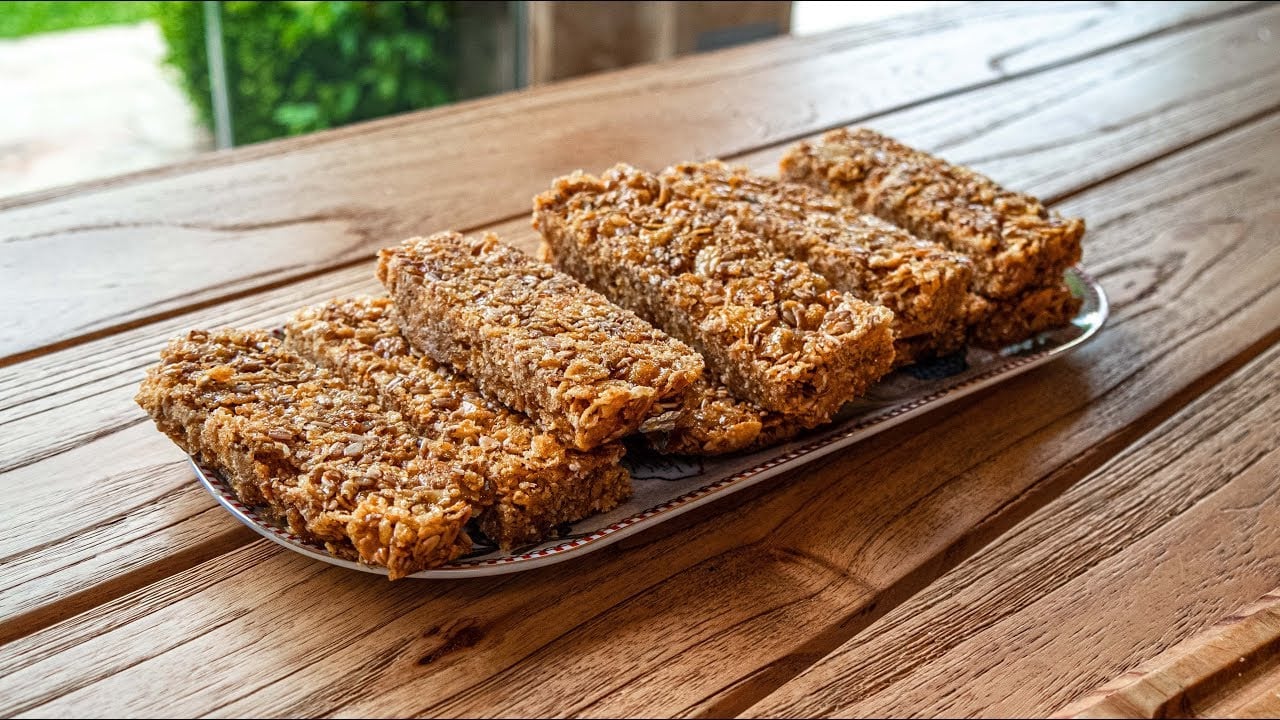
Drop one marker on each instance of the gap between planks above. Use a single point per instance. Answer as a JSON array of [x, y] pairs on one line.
[[1232, 669]]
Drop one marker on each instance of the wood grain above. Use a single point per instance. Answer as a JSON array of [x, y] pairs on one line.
[[64, 409], [710, 616], [287, 210], [1177, 530], [1230, 670]]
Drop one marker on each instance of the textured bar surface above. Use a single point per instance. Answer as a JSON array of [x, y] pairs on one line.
[[1020, 248], [322, 458], [997, 323], [1015, 242], [537, 482], [714, 422], [771, 329], [534, 338], [923, 283]]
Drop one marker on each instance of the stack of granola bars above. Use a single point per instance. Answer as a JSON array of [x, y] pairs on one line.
[[704, 309], [1018, 247]]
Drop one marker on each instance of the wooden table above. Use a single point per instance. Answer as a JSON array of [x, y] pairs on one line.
[[1009, 554]]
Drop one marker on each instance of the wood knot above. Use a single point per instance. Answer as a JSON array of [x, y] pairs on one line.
[[465, 637]]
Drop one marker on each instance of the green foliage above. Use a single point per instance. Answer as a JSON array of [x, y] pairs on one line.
[[39, 16], [295, 67]]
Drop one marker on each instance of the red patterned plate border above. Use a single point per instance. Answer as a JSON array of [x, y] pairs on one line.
[[1012, 361]]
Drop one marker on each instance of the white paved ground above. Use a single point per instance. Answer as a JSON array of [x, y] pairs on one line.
[[82, 104]]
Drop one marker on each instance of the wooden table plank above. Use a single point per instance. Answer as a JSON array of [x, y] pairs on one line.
[[78, 401], [1176, 531], [1230, 670], [286, 210], [694, 620]]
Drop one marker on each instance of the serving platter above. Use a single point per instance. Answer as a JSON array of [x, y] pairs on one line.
[[667, 486]]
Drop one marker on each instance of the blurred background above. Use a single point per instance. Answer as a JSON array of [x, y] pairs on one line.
[[92, 89]]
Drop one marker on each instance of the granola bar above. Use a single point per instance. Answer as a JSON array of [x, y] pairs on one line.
[[1014, 241], [714, 422], [951, 338], [923, 283], [537, 481], [773, 330], [322, 458], [997, 323], [534, 338]]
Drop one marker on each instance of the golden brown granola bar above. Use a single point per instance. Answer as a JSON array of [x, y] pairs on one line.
[[773, 330], [534, 338], [324, 459], [537, 481], [714, 422], [996, 323], [949, 339], [711, 421], [923, 283], [1015, 242]]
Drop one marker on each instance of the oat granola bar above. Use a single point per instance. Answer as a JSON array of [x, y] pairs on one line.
[[923, 283], [710, 421], [322, 458], [714, 422], [538, 483], [1014, 241], [950, 339], [997, 323], [771, 329], [534, 338]]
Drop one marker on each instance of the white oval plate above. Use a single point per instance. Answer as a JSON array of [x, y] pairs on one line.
[[666, 486]]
